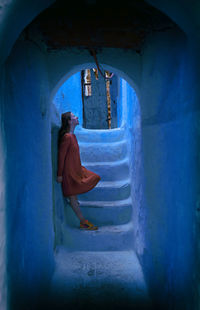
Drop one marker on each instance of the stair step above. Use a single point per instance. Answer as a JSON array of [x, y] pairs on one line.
[[110, 171], [102, 212], [103, 152], [100, 135], [108, 190], [98, 279], [106, 238]]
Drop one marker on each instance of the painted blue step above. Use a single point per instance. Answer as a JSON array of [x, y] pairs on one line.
[[108, 191], [103, 152], [106, 238], [110, 171], [102, 212], [100, 135]]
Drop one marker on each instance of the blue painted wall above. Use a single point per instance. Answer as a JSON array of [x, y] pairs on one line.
[[68, 97], [168, 151], [28, 177], [3, 271], [115, 104]]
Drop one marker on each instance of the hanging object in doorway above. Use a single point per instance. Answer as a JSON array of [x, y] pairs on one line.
[[107, 75], [87, 83], [95, 70]]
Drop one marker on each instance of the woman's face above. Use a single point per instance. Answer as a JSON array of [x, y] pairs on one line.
[[74, 120]]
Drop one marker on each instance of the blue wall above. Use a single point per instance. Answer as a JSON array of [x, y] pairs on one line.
[[68, 97], [28, 177], [169, 151]]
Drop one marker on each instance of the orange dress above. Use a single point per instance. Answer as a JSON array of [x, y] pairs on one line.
[[76, 178]]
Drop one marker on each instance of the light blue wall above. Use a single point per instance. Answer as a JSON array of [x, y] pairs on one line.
[[3, 275], [169, 152], [68, 97], [28, 176], [114, 93]]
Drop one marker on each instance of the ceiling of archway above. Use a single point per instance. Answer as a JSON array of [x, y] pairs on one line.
[[96, 24]]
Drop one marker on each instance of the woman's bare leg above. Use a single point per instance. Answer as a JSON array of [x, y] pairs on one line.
[[75, 206]]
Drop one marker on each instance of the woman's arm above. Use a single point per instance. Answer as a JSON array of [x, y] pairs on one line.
[[62, 151]]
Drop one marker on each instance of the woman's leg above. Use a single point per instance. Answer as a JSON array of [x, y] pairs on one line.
[[75, 206]]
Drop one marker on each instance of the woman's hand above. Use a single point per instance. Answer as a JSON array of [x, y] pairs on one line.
[[59, 179]]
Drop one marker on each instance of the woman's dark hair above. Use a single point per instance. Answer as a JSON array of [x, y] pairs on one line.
[[65, 126]]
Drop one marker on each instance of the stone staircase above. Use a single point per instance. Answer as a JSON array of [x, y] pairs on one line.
[[100, 268]]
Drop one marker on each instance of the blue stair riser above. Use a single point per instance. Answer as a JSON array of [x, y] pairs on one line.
[[100, 136], [110, 172], [103, 216], [93, 152], [98, 240], [106, 193]]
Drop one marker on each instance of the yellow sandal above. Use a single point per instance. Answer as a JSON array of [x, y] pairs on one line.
[[88, 226]]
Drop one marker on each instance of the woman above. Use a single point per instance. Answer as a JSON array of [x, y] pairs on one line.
[[75, 178]]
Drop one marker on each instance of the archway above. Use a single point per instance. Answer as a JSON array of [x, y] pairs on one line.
[[108, 153], [129, 130]]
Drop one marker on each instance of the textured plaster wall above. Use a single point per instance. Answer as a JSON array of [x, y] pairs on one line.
[[195, 65], [133, 129], [169, 150], [68, 97], [28, 176], [3, 277], [14, 17]]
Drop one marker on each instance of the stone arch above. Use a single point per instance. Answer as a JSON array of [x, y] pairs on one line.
[[83, 66], [30, 11], [128, 81]]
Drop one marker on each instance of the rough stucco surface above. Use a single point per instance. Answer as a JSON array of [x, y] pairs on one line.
[[68, 97], [184, 14], [169, 148], [3, 278], [21, 12], [28, 175]]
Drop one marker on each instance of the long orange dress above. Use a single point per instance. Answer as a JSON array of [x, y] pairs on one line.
[[76, 178]]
